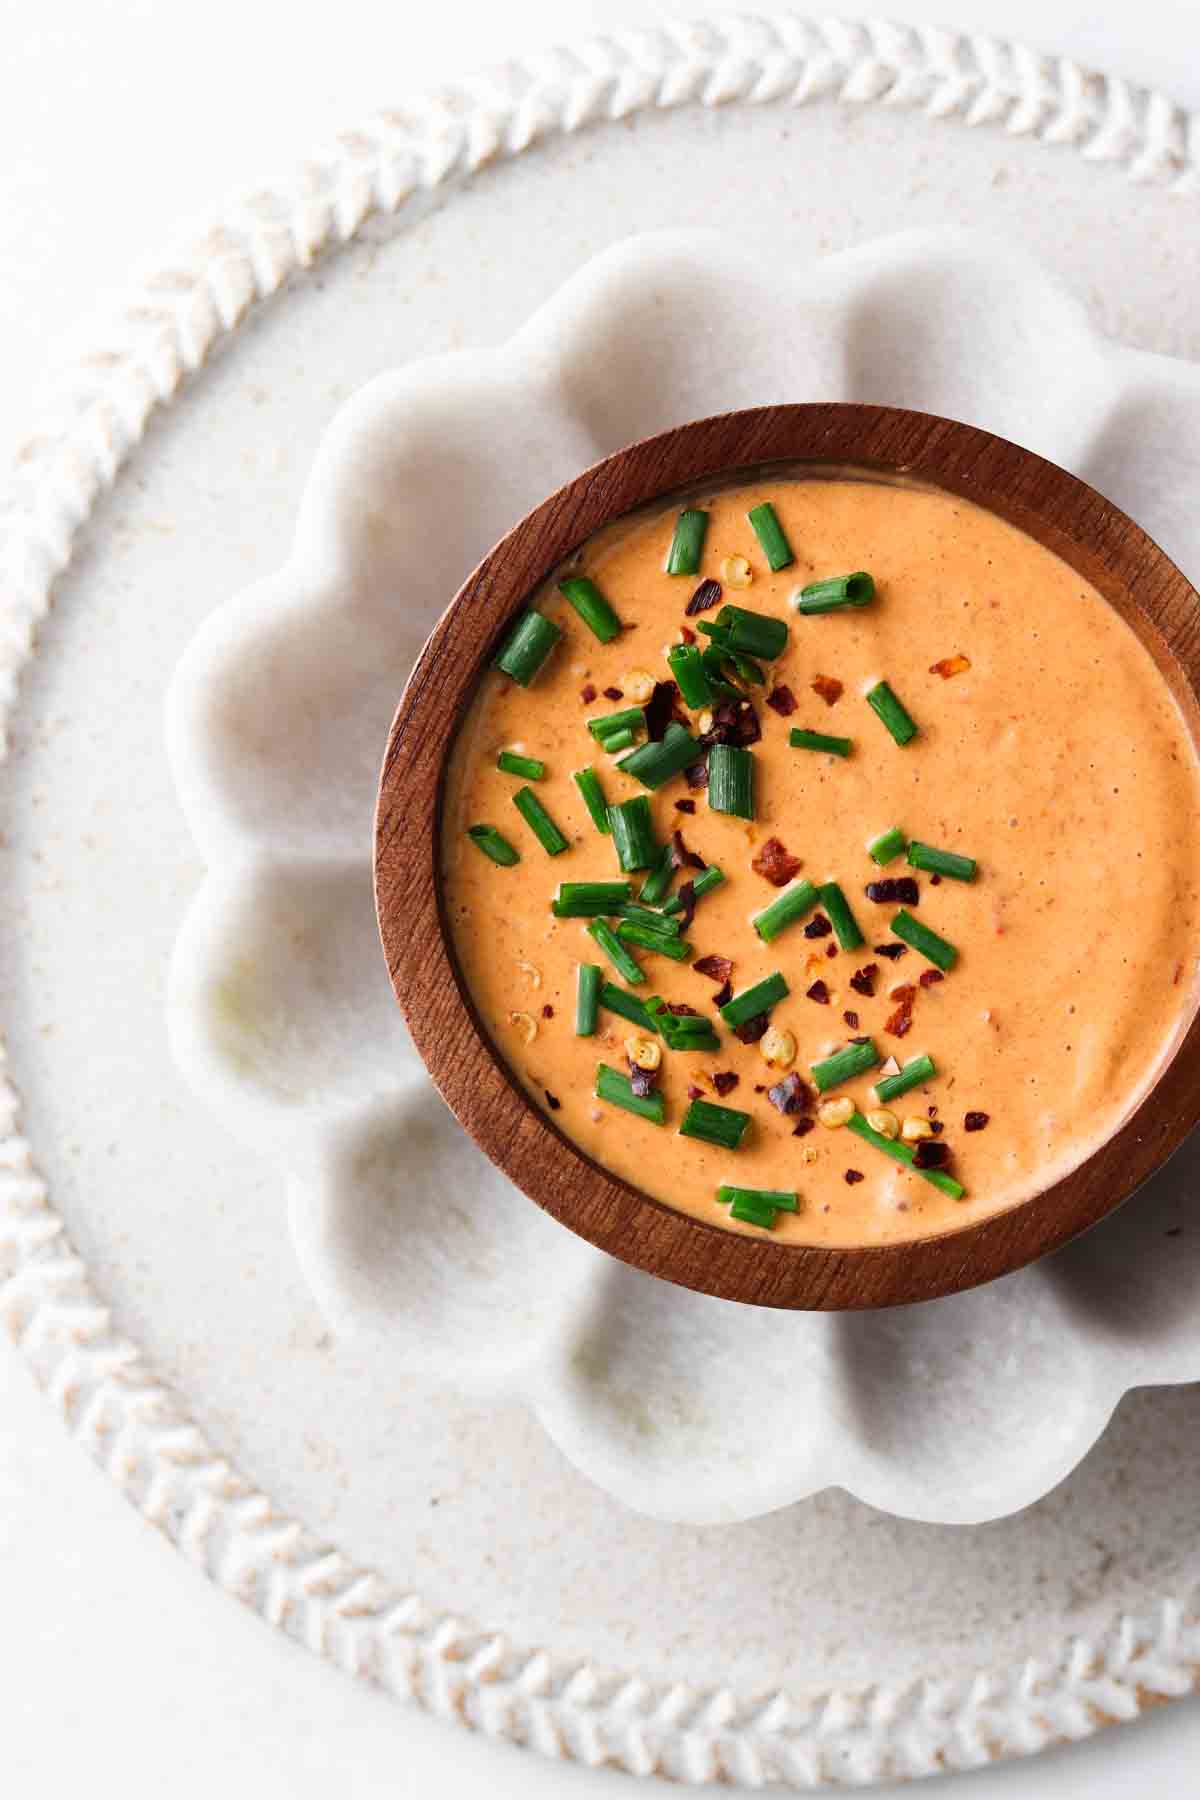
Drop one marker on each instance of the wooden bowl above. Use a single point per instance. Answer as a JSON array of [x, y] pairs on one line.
[[1063, 514]]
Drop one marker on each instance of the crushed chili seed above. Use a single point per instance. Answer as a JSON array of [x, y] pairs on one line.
[[547, 1012], [851, 1176], [851, 1019], [818, 992], [725, 1081], [552, 1100], [614, 693], [587, 694], [782, 700], [687, 904], [706, 595], [901, 888], [818, 926], [803, 1127], [696, 775], [750, 1030], [685, 806], [790, 1095], [717, 968], [975, 1121], [930, 1154], [687, 634], [660, 710], [641, 1080], [893, 952], [931, 977], [775, 862], [863, 980], [829, 689], [723, 996], [948, 666]]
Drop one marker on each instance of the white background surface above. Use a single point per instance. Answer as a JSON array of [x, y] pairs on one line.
[[120, 1667]]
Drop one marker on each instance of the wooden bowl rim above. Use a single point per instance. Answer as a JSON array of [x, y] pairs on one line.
[[1063, 513]]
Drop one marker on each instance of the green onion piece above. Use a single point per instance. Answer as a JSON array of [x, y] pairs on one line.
[[637, 914], [587, 999], [633, 833], [817, 740], [722, 651], [769, 533], [618, 740], [731, 781], [745, 670], [753, 633], [630, 718], [588, 783], [607, 940], [584, 899], [753, 1212], [539, 821], [659, 879], [653, 764], [942, 862], [527, 646], [844, 923], [714, 667], [704, 883], [591, 606], [677, 948], [903, 1153], [687, 545], [617, 1089], [494, 844], [691, 677], [782, 1201], [754, 1000], [682, 1031], [911, 1075], [844, 1065], [887, 846], [627, 1006], [797, 899], [835, 592], [724, 1126], [528, 766], [882, 700], [926, 943]]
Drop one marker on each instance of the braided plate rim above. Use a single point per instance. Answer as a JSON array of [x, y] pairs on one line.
[[113, 1403]]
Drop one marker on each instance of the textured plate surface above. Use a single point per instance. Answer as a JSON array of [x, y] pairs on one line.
[[847, 1646]]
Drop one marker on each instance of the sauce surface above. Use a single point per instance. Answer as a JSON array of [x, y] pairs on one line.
[[1059, 760]]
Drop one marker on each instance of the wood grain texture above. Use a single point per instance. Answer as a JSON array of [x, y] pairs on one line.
[[1060, 512]]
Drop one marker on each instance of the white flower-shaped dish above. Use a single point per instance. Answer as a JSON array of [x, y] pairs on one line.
[[682, 1406]]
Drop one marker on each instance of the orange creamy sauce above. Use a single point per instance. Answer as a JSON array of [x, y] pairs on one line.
[[1059, 760]]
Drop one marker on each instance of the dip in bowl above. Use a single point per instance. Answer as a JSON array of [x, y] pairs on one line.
[[787, 856]]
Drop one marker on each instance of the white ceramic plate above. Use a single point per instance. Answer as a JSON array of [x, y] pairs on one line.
[[445, 1550]]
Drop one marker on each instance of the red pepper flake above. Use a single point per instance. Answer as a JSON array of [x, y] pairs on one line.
[[893, 952], [687, 904], [831, 949], [775, 863], [863, 980], [552, 1100], [818, 926], [949, 666], [900, 1023], [587, 694], [723, 995], [906, 994], [803, 1127], [936, 1126], [900, 888], [747, 730], [706, 595], [687, 634], [695, 1093], [685, 806], [790, 1095], [818, 992], [696, 775], [782, 700], [852, 1176], [682, 1010], [860, 1040], [851, 1019], [750, 1030], [935, 881], [725, 1081], [933, 1112], [682, 856], [547, 1012], [930, 1154], [660, 709], [614, 693], [828, 688], [1175, 981], [975, 1121], [641, 1080], [931, 977], [717, 968]]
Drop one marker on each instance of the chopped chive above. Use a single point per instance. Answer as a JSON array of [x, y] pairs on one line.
[[883, 701], [748, 671], [687, 545], [618, 740], [588, 783], [539, 821], [926, 943], [724, 1126], [911, 1075], [627, 1006], [607, 940], [770, 535], [942, 862], [655, 763], [704, 883], [617, 1089], [887, 846], [841, 918], [585, 899], [637, 914], [661, 942], [904, 1153], [782, 1201], [835, 592], [528, 766], [721, 651], [691, 677], [752, 633], [817, 740], [587, 999], [687, 1036], [659, 879], [493, 843], [630, 718], [731, 781], [633, 833], [754, 1000], [797, 899], [591, 606], [527, 646], [844, 1065], [752, 1213]]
